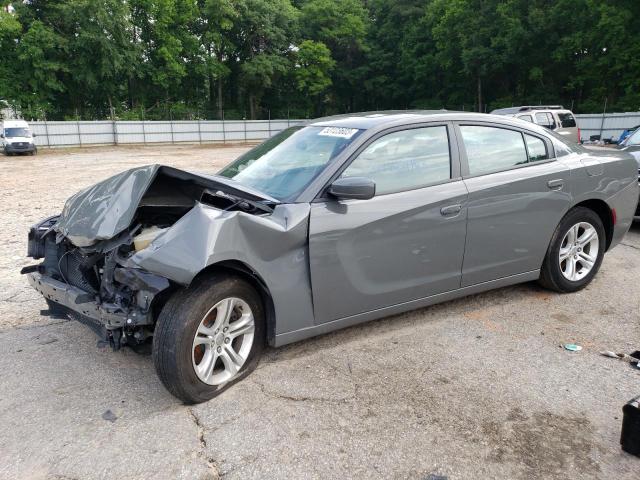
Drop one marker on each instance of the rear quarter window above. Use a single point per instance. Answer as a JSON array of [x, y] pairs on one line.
[[567, 120], [536, 148]]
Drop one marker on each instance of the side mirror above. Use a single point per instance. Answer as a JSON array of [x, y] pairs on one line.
[[360, 188]]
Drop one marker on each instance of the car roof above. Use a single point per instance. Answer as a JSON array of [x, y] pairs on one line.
[[529, 109], [14, 123], [387, 119], [367, 120]]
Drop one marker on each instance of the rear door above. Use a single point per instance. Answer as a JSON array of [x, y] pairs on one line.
[[405, 243], [517, 195], [567, 126]]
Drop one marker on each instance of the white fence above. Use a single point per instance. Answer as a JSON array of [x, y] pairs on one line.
[[80, 133], [610, 125]]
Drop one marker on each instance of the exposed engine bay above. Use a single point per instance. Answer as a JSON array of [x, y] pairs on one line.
[[86, 272]]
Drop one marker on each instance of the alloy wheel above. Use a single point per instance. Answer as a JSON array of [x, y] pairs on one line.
[[223, 341], [579, 251]]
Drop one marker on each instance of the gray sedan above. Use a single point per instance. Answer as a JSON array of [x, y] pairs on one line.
[[323, 226]]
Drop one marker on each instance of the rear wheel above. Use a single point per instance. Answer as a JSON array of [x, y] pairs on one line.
[[575, 253], [208, 337]]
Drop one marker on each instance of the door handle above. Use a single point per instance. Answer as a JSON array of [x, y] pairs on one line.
[[555, 184], [450, 210]]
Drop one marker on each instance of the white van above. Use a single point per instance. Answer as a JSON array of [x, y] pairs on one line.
[[16, 137]]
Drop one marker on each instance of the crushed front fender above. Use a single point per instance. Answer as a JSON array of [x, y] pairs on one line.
[[274, 246]]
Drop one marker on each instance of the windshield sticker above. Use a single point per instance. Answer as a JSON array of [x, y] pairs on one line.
[[338, 132]]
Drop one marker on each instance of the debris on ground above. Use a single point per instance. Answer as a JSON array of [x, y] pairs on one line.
[[572, 347], [630, 435], [109, 416], [633, 358]]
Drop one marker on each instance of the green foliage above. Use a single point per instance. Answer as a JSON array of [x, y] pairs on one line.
[[313, 66], [251, 58]]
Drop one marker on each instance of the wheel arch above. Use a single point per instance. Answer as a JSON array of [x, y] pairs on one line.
[[244, 271], [604, 211]]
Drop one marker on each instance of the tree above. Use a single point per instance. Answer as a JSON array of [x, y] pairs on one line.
[[41, 70], [312, 70], [163, 58], [342, 26], [10, 29], [217, 18], [164, 31], [98, 51], [264, 35]]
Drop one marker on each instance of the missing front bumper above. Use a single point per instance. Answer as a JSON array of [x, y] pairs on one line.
[[77, 300]]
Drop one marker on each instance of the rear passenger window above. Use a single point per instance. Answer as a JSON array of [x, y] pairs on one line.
[[526, 118], [536, 148], [567, 120], [490, 149], [546, 120], [405, 160]]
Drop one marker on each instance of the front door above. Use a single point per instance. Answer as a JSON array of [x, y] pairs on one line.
[[405, 243], [517, 195]]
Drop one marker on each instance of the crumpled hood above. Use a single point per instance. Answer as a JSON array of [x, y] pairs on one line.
[[104, 210]]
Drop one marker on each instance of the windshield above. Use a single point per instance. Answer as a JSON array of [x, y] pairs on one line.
[[17, 132], [633, 139], [288, 162]]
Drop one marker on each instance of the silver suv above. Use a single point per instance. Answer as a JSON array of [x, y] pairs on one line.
[[553, 117]]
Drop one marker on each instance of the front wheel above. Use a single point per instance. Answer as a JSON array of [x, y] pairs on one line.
[[575, 253], [208, 337]]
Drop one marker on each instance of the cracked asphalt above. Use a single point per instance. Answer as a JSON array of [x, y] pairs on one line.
[[468, 389]]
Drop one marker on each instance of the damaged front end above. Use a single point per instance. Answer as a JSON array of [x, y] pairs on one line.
[[87, 272]]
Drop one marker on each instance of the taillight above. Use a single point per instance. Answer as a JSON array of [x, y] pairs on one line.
[[579, 138], [614, 216]]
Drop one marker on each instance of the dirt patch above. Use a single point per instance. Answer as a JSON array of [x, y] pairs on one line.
[[546, 445]]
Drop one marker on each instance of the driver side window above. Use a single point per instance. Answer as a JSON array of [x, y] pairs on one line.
[[405, 160]]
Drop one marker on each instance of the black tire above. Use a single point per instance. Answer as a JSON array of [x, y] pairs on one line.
[[551, 276], [177, 325]]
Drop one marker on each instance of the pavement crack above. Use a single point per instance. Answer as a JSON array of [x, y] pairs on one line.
[[202, 450], [293, 398], [630, 246]]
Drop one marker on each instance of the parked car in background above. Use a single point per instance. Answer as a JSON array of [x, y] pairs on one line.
[[626, 133], [16, 137], [325, 226], [553, 117]]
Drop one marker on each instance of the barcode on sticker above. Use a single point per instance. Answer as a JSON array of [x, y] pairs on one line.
[[338, 132]]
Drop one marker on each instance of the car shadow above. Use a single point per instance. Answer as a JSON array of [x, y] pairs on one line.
[[401, 323]]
